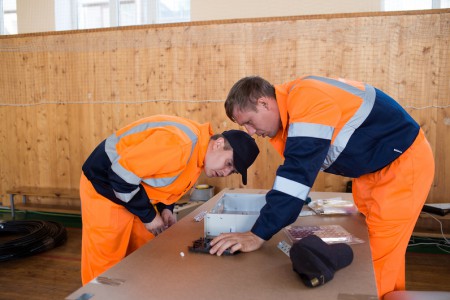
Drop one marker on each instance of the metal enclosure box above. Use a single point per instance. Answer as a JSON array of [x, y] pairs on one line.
[[233, 212]]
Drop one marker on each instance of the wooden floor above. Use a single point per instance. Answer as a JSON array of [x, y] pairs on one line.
[[56, 273], [50, 275]]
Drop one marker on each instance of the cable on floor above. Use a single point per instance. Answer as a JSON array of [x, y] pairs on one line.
[[37, 237], [444, 246]]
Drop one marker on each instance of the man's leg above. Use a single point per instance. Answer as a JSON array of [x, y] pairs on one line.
[[391, 199], [110, 232]]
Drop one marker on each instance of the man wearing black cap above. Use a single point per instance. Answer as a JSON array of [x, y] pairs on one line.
[[132, 179]]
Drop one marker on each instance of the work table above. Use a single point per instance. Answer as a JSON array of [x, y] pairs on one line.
[[165, 269]]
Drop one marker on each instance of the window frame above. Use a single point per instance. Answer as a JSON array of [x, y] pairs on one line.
[[2, 18], [147, 12]]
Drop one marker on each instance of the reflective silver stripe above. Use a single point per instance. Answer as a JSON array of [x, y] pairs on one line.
[[126, 175], [160, 182], [368, 100], [310, 130], [126, 197], [290, 187], [110, 147], [130, 177]]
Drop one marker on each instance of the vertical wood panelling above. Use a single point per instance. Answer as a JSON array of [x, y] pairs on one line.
[[63, 93]]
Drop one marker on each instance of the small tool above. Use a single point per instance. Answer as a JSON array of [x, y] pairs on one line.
[[285, 247], [202, 245]]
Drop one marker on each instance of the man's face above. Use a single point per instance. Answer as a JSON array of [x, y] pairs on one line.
[[219, 162], [264, 122]]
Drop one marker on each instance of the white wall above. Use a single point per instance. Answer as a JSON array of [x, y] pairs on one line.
[[35, 15], [234, 9]]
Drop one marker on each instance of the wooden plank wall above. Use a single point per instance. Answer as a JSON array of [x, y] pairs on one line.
[[64, 92]]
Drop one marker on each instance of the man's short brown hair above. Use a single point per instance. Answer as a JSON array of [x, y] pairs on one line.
[[245, 94]]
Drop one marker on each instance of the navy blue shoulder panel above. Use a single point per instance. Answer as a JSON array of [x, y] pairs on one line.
[[387, 132]]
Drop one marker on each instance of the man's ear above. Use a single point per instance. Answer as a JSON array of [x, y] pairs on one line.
[[264, 103], [219, 143]]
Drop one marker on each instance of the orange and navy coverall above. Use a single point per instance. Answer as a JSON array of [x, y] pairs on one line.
[[355, 130], [149, 163]]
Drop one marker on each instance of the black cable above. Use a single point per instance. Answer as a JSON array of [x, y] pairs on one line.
[[38, 236]]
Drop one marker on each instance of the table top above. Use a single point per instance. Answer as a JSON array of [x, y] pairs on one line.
[[158, 270]]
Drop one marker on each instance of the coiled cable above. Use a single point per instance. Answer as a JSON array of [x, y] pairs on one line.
[[37, 236]]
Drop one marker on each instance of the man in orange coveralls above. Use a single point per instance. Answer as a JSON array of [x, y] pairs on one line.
[[132, 179], [346, 128]]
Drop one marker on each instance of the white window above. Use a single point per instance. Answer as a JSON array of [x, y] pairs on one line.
[[93, 14], [87, 14], [172, 11], [8, 17]]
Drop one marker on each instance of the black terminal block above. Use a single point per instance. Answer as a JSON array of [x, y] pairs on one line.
[[202, 245]]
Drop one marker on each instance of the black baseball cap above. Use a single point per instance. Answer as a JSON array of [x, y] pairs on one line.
[[316, 261], [245, 150]]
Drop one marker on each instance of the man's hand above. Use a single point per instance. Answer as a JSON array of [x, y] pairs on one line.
[[245, 242], [168, 218], [161, 222], [156, 226]]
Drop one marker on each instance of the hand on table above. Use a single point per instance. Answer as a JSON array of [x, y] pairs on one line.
[[242, 241]]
